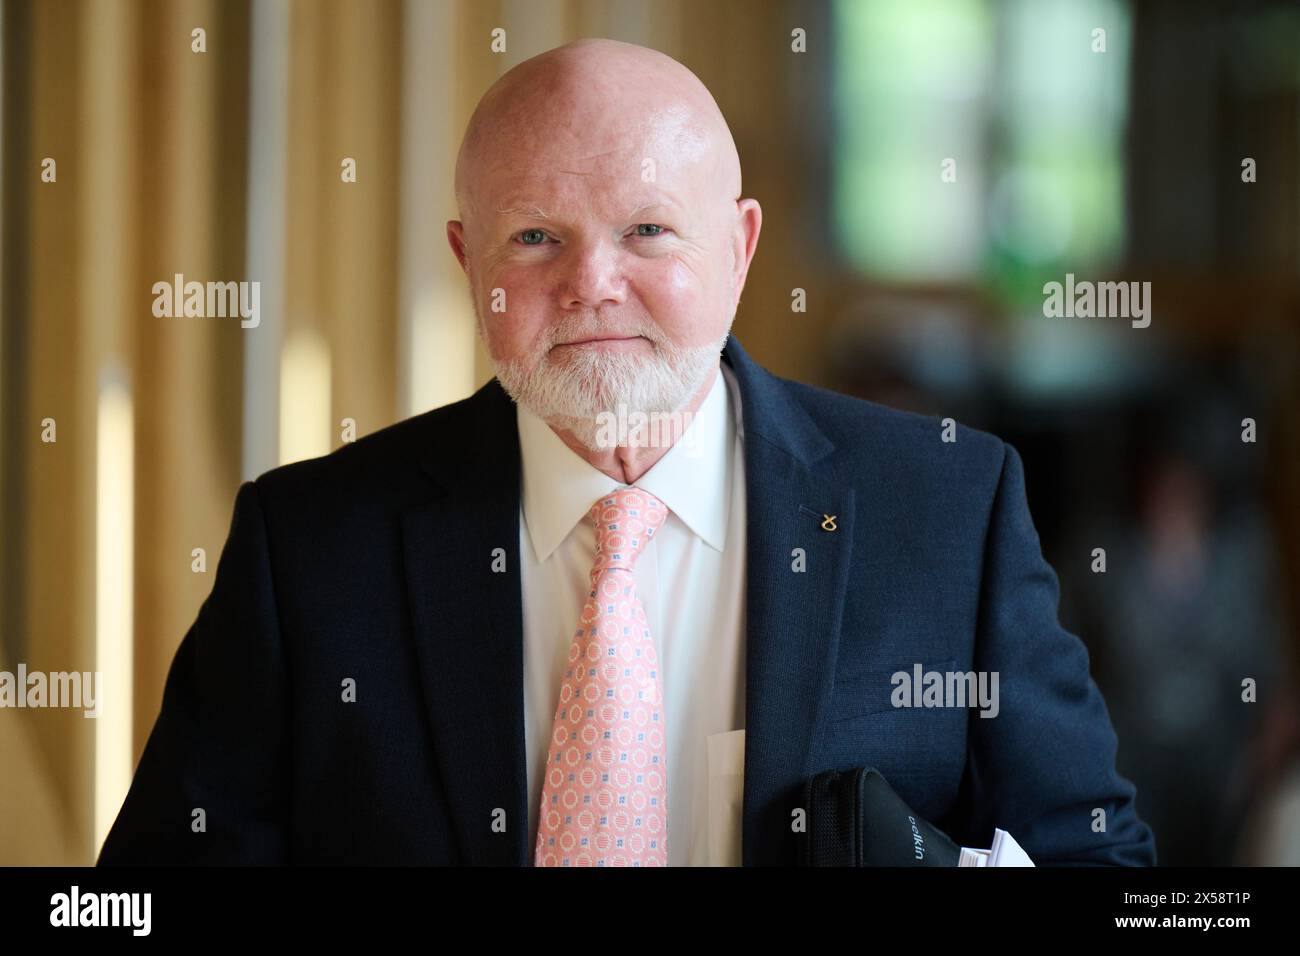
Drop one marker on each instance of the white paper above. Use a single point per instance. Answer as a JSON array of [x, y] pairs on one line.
[[1004, 852], [726, 796]]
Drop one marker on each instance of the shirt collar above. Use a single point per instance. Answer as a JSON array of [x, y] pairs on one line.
[[693, 478]]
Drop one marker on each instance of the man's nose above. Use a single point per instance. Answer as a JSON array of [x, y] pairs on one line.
[[593, 276]]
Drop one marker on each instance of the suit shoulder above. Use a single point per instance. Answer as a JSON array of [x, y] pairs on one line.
[[372, 461], [857, 423]]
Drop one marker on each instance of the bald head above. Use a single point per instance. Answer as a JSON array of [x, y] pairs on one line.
[[593, 99], [604, 237]]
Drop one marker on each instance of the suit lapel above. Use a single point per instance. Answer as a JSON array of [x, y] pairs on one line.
[[468, 622], [792, 617]]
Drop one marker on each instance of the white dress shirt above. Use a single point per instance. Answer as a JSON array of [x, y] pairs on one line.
[[697, 557]]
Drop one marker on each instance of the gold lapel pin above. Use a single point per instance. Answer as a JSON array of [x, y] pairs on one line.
[[828, 524]]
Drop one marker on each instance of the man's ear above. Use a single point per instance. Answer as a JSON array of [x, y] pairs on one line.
[[456, 239], [744, 241]]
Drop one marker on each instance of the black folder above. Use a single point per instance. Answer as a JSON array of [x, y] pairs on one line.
[[854, 818]]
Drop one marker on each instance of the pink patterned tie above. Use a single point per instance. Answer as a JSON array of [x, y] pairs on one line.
[[605, 795]]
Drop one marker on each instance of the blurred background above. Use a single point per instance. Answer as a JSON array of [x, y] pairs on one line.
[[1112, 156]]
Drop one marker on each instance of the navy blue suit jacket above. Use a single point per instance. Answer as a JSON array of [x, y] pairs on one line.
[[375, 564]]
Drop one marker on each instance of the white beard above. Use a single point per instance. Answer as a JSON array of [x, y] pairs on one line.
[[590, 385]]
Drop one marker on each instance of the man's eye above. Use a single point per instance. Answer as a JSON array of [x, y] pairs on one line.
[[532, 237], [642, 227]]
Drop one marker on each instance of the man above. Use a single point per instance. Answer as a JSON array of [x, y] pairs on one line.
[[503, 633]]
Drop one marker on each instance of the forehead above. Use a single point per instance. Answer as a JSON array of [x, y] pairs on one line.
[[598, 164], [570, 195]]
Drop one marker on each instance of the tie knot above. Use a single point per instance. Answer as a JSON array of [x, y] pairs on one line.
[[625, 520]]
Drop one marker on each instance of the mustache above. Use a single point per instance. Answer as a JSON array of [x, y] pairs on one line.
[[579, 330]]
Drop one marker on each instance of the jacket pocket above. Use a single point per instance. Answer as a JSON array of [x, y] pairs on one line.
[[870, 691]]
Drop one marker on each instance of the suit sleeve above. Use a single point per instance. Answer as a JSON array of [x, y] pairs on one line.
[[1043, 768], [220, 744]]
